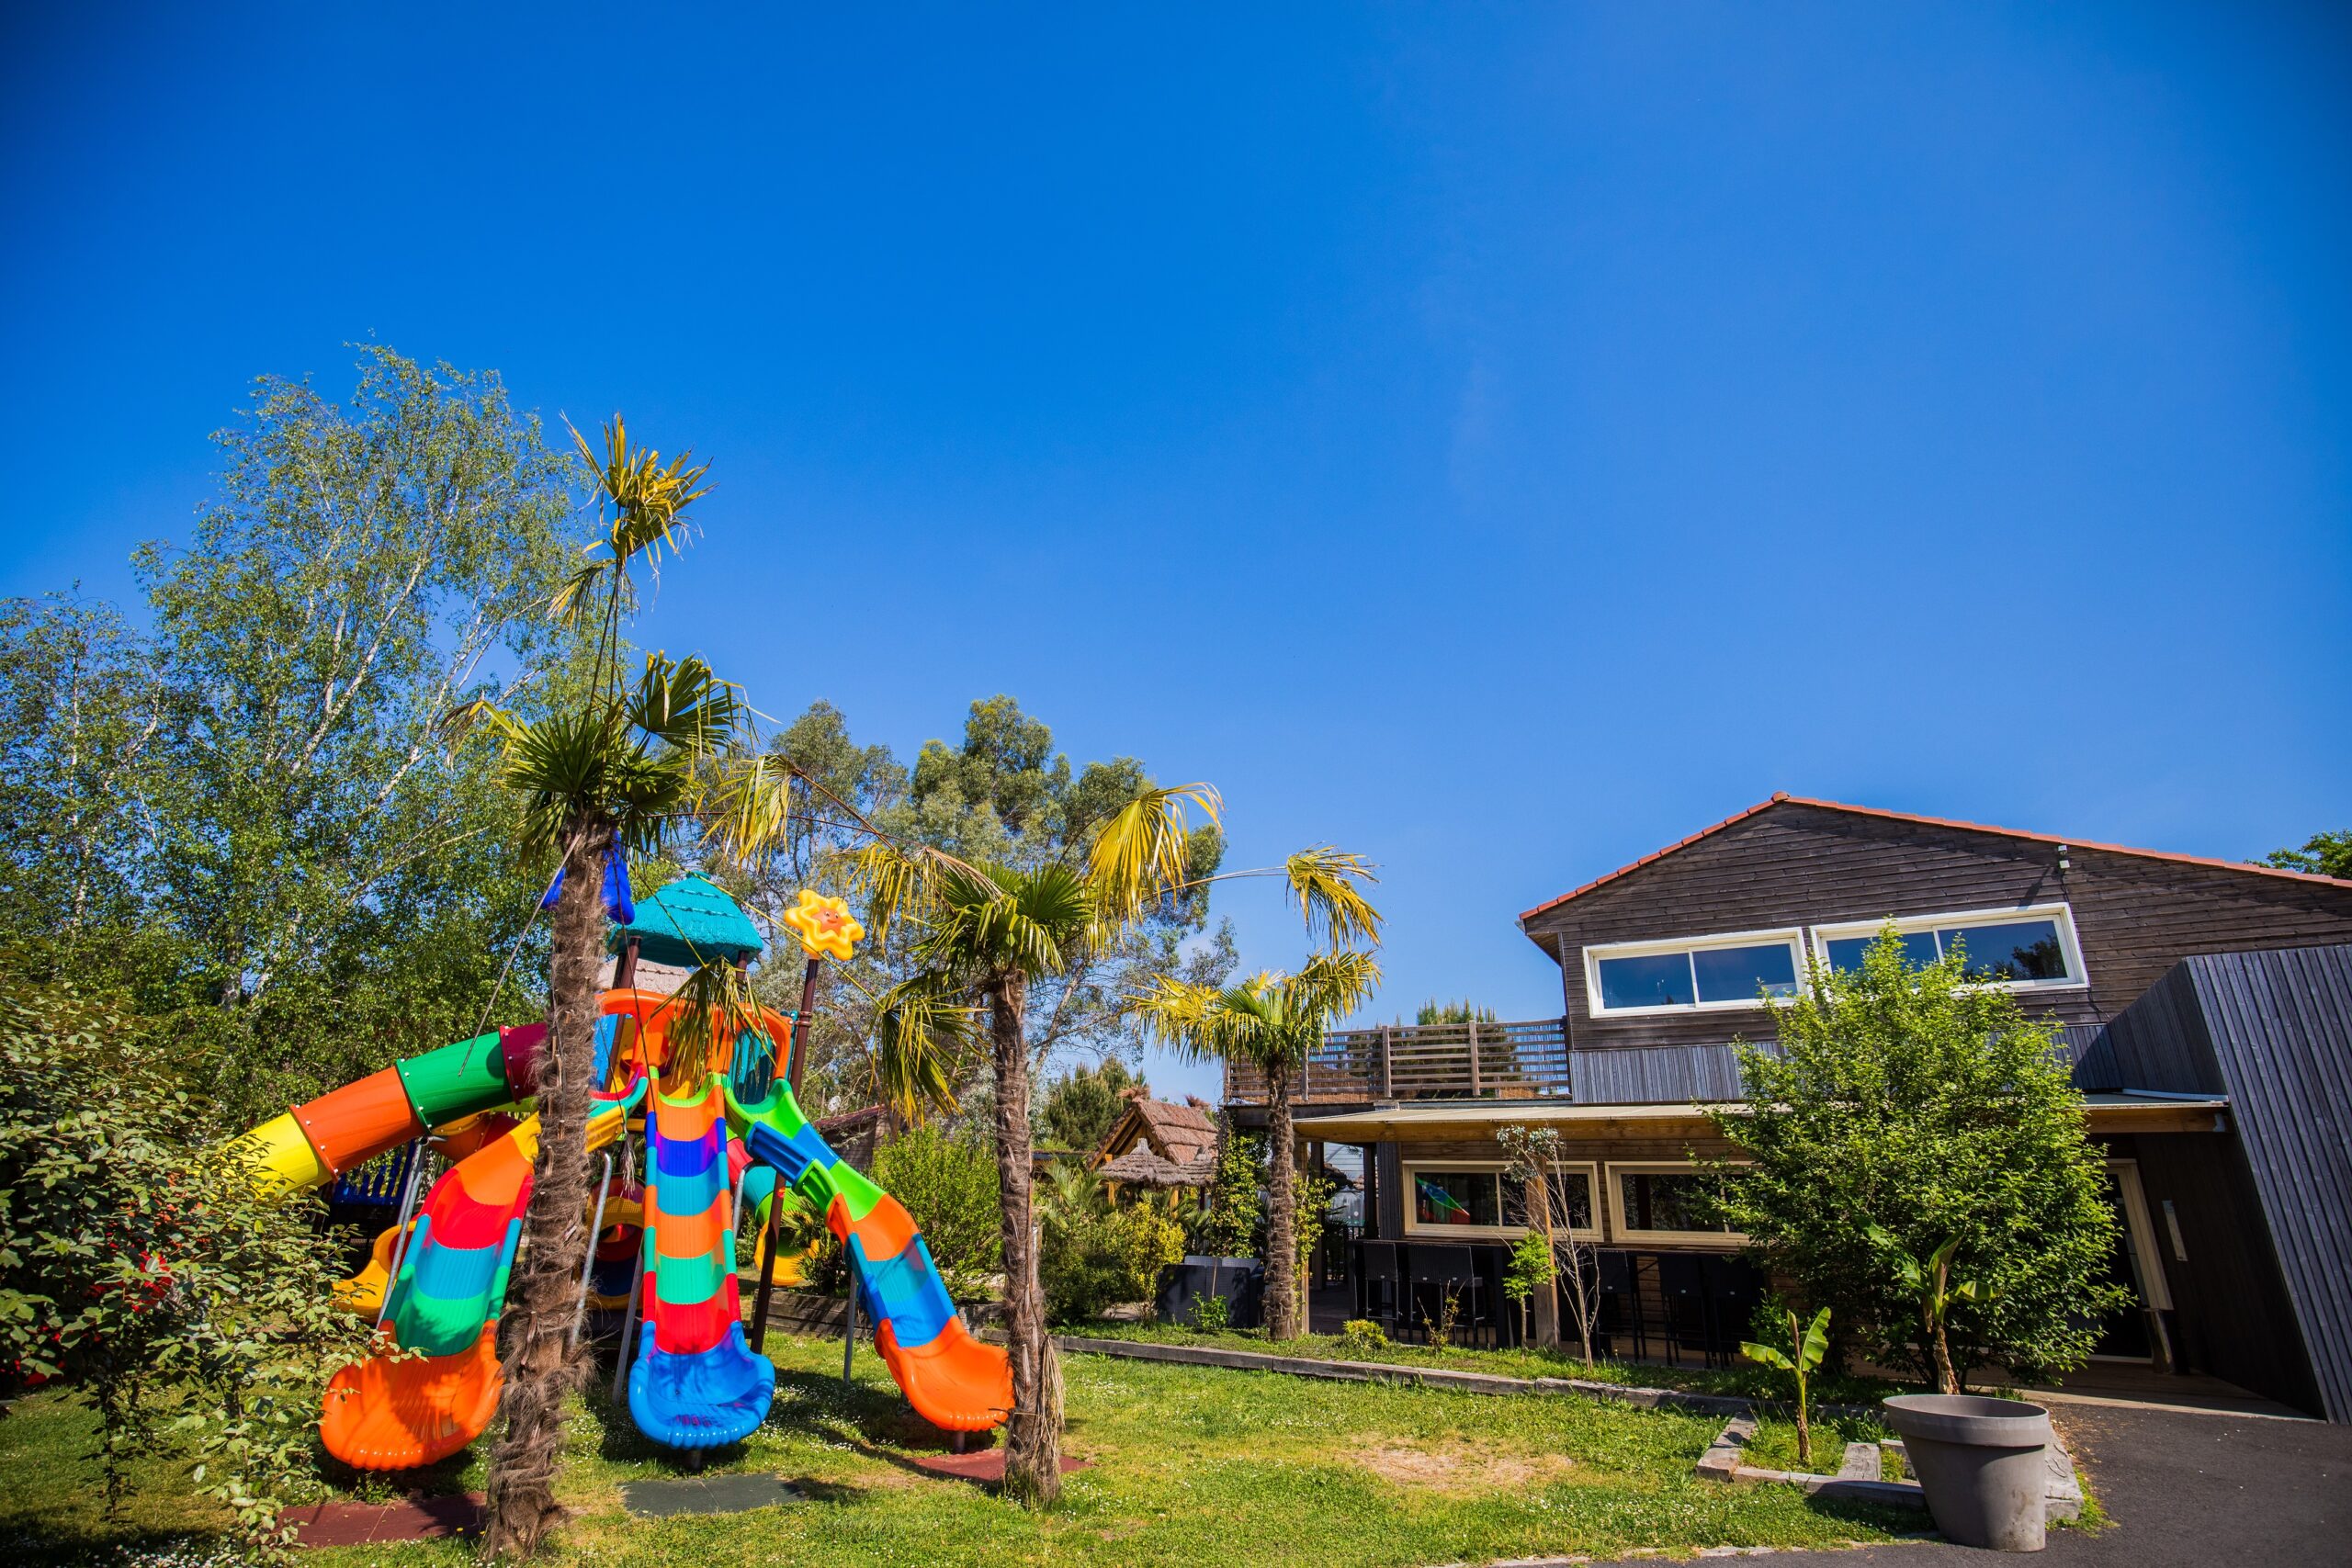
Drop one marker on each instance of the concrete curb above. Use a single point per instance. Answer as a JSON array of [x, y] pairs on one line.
[[1412, 1377]]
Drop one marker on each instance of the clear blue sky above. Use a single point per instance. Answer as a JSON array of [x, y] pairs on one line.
[[1500, 440]]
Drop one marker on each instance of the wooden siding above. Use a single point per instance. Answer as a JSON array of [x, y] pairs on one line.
[[1794, 864], [2280, 1026], [2232, 1317], [1654, 1075]]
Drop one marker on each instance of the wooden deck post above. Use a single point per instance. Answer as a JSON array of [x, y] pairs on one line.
[[1474, 1058], [1387, 1060]]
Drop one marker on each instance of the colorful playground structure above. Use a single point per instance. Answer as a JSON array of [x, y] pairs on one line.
[[663, 1252]]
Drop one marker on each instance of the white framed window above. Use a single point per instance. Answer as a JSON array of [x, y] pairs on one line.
[[1706, 973], [1469, 1200], [2033, 949], [1666, 1201]]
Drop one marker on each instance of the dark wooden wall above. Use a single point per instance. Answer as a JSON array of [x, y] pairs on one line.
[[1792, 864], [2231, 1315], [2281, 1031], [2269, 1270]]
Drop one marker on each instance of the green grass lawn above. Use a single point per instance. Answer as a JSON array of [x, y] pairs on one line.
[[1747, 1381], [1190, 1465]]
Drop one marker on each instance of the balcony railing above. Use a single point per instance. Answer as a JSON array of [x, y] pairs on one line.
[[1431, 1061]]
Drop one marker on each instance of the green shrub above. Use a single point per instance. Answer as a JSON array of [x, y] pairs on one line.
[[948, 1184], [1912, 1111], [137, 1268], [1096, 1255], [1362, 1337], [1211, 1315]]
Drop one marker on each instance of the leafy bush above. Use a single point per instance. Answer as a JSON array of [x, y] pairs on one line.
[[139, 1268], [1909, 1112], [1232, 1218], [948, 1184], [1096, 1254], [1362, 1337], [1212, 1315]]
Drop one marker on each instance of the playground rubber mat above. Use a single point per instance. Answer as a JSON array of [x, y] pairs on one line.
[[985, 1466], [435, 1517]]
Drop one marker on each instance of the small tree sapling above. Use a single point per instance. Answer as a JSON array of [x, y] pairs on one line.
[[1808, 1344], [1929, 1281]]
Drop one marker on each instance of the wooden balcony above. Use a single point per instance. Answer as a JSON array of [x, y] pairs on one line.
[[1437, 1061]]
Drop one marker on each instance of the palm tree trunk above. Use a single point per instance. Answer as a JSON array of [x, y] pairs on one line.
[[1940, 1350], [1032, 1444], [542, 1366], [1282, 1212]]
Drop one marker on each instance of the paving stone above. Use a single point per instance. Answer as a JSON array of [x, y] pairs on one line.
[[705, 1495]]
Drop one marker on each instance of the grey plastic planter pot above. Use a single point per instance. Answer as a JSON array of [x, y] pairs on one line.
[[1980, 1464]]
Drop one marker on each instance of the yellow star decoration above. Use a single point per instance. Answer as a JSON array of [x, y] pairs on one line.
[[825, 926]]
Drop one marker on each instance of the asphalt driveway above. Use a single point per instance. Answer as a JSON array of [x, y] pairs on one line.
[[2188, 1489]]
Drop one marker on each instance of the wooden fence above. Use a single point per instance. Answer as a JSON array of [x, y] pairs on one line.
[[1435, 1061]]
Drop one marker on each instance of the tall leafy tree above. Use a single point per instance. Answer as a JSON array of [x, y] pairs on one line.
[[1085, 1104], [242, 817], [981, 934], [1272, 1022], [1000, 797], [1911, 1114], [85, 722], [2322, 854], [596, 778]]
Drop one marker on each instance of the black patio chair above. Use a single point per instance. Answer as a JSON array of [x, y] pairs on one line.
[[1735, 1288], [1434, 1271], [1682, 1291], [1498, 1318], [1587, 1261], [1380, 1283], [1618, 1319]]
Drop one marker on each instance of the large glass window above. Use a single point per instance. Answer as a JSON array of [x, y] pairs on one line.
[[2033, 949], [1706, 972], [1665, 1201], [1572, 1195], [1466, 1197], [1491, 1201]]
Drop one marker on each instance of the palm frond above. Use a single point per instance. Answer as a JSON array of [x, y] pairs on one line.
[[924, 1031], [1331, 985], [1144, 853], [682, 704], [460, 722], [574, 600], [747, 799], [711, 1010], [649, 498], [1324, 880], [1239, 1023], [896, 882]]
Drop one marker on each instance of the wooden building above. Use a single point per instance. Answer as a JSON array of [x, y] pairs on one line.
[[2207, 1004], [1160, 1144]]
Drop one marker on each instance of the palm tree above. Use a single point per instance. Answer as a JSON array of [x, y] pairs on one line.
[[595, 781], [984, 933], [1270, 1021]]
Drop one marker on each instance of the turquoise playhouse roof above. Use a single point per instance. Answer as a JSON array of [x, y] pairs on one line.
[[691, 919]]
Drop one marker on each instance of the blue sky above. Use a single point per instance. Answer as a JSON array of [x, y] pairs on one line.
[[1500, 440]]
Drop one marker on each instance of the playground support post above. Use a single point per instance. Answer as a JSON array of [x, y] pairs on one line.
[[796, 1062], [628, 1324], [399, 1229], [595, 1229], [849, 1340], [764, 1292]]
